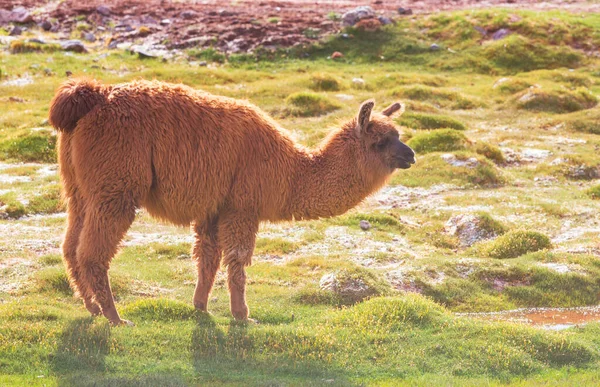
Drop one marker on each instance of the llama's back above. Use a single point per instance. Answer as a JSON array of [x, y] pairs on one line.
[[188, 153]]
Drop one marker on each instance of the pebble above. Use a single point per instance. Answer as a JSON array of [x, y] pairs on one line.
[[364, 225]]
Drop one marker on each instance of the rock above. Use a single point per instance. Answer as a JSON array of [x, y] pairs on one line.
[[500, 34], [351, 288], [90, 37], [500, 82], [188, 15], [364, 225], [47, 72], [583, 172], [73, 45], [454, 161], [337, 55], [46, 25], [385, 20], [358, 82], [345, 36], [405, 11], [468, 228], [16, 31], [344, 97], [350, 18], [17, 15], [36, 40], [202, 63], [165, 22], [434, 47], [68, 73], [103, 10]]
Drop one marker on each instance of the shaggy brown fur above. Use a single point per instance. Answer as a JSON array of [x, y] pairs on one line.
[[190, 157]]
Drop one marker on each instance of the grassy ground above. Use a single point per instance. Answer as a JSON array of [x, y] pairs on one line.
[[521, 110]]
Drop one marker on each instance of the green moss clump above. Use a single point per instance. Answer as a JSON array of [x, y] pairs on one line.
[[325, 82], [32, 148], [516, 53], [53, 279], [490, 152], [516, 243], [490, 225], [594, 192], [275, 246], [441, 140], [556, 101], [306, 104], [23, 46], [430, 121], [48, 202], [443, 98]]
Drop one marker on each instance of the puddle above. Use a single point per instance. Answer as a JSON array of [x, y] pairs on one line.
[[555, 319]]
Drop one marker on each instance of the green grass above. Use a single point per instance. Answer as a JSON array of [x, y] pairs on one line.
[[594, 192], [556, 101]]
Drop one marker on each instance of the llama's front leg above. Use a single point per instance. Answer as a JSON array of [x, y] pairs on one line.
[[207, 254], [237, 236]]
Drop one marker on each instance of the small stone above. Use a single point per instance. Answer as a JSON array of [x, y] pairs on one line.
[[187, 15], [68, 73], [501, 34], [36, 40], [73, 45], [20, 15], [90, 37], [385, 20], [358, 82], [364, 225], [16, 31], [435, 47], [337, 55], [202, 63], [165, 22], [103, 10], [345, 36], [46, 25], [481, 30], [405, 11], [47, 71]]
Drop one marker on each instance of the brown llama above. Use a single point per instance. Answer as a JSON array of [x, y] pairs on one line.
[[190, 157]]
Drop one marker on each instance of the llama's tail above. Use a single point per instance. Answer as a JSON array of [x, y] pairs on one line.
[[73, 100]]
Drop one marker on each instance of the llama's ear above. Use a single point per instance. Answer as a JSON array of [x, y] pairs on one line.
[[364, 115], [394, 110]]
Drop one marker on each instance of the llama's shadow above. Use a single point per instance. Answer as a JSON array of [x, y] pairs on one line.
[[82, 348], [238, 354]]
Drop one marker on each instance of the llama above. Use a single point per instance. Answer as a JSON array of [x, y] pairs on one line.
[[192, 158]]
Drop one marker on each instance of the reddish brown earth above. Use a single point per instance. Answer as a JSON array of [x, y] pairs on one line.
[[235, 26]]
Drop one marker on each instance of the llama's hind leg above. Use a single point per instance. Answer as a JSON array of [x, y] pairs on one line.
[[237, 237], [207, 254], [76, 216], [104, 227]]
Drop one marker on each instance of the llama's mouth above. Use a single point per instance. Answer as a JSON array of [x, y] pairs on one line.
[[405, 164]]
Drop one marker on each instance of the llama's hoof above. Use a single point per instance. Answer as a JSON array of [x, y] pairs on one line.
[[241, 314], [201, 306], [122, 322]]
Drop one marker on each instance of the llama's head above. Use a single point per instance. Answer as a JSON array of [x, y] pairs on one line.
[[379, 138]]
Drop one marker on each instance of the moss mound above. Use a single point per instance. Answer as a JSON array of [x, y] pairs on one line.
[[586, 121], [23, 46], [490, 152], [33, 148], [306, 104], [511, 86], [556, 101], [441, 140], [430, 121], [516, 243], [441, 97], [325, 82], [594, 192], [516, 53]]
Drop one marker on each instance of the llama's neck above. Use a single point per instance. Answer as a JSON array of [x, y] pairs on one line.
[[329, 182]]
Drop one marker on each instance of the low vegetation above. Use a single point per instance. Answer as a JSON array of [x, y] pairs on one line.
[[516, 243]]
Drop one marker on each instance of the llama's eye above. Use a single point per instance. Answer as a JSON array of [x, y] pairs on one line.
[[383, 143]]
